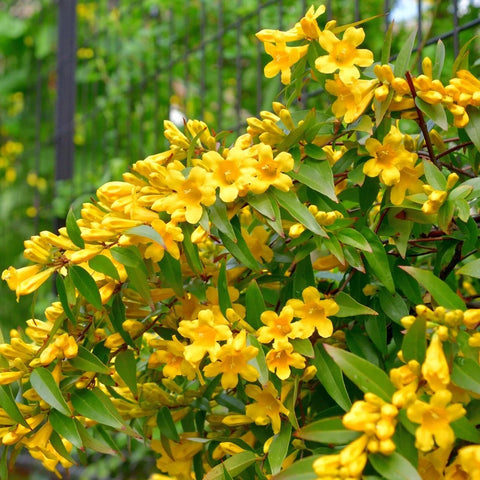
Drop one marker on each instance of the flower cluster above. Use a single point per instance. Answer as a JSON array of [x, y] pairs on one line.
[[211, 302]]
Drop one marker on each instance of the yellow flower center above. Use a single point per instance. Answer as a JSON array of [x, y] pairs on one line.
[[385, 156], [343, 53]]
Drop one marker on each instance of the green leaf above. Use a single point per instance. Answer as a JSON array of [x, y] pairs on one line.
[[403, 59], [146, 231], [219, 217], [66, 426], [414, 345], [166, 424], [360, 345], [137, 280], [354, 238], [62, 295], [327, 431], [48, 390], [439, 290], [330, 376], [125, 365], [235, 465], [349, 307], [378, 260], [58, 445], [172, 270], [279, 447], [300, 470], [223, 296], [434, 176], [117, 317], [259, 361], [376, 328], [303, 346], [4, 462], [7, 402], [434, 112], [190, 249], [268, 207], [86, 285], [387, 43], [73, 230], [367, 377], [94, 443], [465, 430], [393, 467], [297, 134], [466, 374], [88, 362], [472, 269], [393, 306], [129, 257], [104, 265], [473, 126], [254, 305], [290, 202], [314, 151], [96, 407], [462, 56], [316, 175], [439, 60]]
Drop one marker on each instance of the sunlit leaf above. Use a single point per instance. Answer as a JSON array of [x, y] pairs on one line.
[[48, 390], [86, 285]]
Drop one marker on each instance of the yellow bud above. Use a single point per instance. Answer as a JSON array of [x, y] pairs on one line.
[[452, 179], [236, 420]]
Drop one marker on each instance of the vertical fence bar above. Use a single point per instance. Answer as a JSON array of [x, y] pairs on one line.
[[455, 28], [65, 106], [238, 68], [221, 32], [419, 35], [203, 59]]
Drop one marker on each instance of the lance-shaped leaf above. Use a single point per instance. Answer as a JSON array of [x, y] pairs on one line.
[[472, 269], [146, 231], [48, 390], [349, 307], [330, 375], [86, 285], [268, 207], [473, 126], [354, 238], [88, 362], [300, 470], [393, 306], [290, 202], [279, 447], [466, 374], [259, 361], [7, 402], [93, 443], [97, 407], [434, 176], [104, 265], [434, 112], [328, 431], [117, 317], [166, 424], [367, 377], [235, 465], [66, 426], [414, 345], [439, 60], [172, 270], [223, 296], [125, 365], [316, 175], [190, 249], [439, 290], [58, 445], [62, 295], [219, 217], [73, 230], [254, 304], [402, 61], [394, 467]]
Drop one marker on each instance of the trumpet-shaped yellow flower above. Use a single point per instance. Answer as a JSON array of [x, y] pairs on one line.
[[308, 23], [205, 332], [343, 55], [188, 195], [27, 279], [389, 157], [171, 234], [435, 367], [64, 346], [266, 408], [257, 243], [270, 170], [232, 361], [283, 59], [314, 312], [171, 357], [409, 181], [278, 327], [352, 99], [434, 419], [282, 357]]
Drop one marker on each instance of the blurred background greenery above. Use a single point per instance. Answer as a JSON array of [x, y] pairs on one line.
[[137, 64]]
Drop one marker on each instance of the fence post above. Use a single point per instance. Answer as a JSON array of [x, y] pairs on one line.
[[65, 106]]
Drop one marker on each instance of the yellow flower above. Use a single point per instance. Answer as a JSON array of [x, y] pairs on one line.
[[343, 54], [352, 99], [231, 174], [280, 358], [27, 279], [232, 361], [389, 157], [348, 464], [64, 346], [283, 59], [177, 460], [257, 243], [267, 407], [205, 332], [308, 23], [436, 199], [435, 367], [269, 170], [434, 419], [277, 326], [171, 234], [314, 313], [188, 195], [431, 465], [409, 180], [469, 460]]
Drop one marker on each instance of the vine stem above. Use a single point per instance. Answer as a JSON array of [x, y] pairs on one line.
[[421, 120]]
